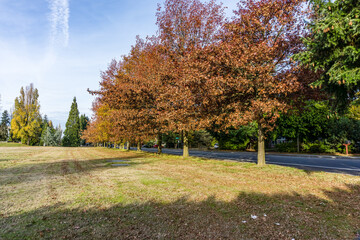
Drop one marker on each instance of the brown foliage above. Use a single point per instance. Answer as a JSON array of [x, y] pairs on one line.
[[203, 71], [249, 75]]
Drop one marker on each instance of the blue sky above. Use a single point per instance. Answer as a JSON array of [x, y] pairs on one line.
[[62, 45]]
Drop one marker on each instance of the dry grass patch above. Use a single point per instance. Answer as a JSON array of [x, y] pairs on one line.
[[76, 193]]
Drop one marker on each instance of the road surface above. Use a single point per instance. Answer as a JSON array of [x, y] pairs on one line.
[[338, 164]]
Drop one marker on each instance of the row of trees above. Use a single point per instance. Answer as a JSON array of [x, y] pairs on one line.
[[315, 128], [28, 126], [205, 71]]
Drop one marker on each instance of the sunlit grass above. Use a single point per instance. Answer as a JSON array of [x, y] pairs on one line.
[[77, 193]]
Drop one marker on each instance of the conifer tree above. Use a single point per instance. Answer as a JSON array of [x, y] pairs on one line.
[[72, 131], [84, 121], [49, 135], [58, 135], [333, 48], [5, 121]]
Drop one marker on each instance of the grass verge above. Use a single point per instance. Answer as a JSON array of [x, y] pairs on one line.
[[76, 193], [11, 144]]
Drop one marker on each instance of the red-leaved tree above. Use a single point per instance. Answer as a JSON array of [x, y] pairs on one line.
[[249, 75]]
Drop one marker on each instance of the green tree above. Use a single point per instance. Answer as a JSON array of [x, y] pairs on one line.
[[72, 131], [333, 48], [4, 125], [26, 121], [84, 121], [199, 139], [237, 139], [307, 124], [50, 135], [58, 135], [44, 125]]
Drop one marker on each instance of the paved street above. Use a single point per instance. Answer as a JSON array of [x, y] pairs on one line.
[[348, 165]]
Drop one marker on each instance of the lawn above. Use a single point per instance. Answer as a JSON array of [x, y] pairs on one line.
[[76, 193], [11, 144]]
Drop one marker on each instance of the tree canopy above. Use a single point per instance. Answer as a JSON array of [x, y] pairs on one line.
[[26, 121], [4, 126], [72, 132], [333, 48], [202, 71]]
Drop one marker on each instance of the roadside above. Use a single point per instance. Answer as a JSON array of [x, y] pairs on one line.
[[309, 162], [320, 155]]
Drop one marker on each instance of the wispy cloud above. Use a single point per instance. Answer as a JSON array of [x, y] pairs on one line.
[[59, 18]]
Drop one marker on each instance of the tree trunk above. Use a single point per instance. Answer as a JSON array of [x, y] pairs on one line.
[[122, 146], [261, 147], [186, 144], [139, 146], [127, 146], [298, 143], [159, 143]]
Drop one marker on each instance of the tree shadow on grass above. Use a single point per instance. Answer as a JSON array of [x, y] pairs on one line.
[[30, 172], [279, 216], [310, 171]]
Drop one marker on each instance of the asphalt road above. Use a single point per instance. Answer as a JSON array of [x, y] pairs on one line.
[[338, 164]]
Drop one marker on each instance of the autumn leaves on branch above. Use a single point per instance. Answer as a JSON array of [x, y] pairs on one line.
[[202, 70]]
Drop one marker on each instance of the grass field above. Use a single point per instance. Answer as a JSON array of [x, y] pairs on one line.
[[11, 144], [75, 193]]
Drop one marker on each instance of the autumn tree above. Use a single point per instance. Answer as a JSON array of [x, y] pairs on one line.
[[146, 65], [72, 131], [184, 27], [129, 90], [249, 75], [110, 102], [333, 48], [26, 121]]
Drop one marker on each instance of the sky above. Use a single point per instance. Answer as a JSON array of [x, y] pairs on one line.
[[61, 46]]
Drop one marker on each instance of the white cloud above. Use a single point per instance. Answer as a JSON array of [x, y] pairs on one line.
[[59, 18]]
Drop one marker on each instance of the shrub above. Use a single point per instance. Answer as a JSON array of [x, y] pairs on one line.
[[286, 147], [317, 147]]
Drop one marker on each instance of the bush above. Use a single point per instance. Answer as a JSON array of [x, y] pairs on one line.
[[286, 147], [229, 145], [317, 147]]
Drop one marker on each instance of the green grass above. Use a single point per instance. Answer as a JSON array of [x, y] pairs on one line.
[[11, 144], [74, 193]]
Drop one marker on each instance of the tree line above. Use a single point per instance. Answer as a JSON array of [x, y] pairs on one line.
[[204, 71], [26, 125]]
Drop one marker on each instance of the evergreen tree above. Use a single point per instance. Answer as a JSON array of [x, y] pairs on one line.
[[57, 135], [48, 135], [44, 125], [72, 131], [5, 121], [26, 121], [84, 121], [333, 48]]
